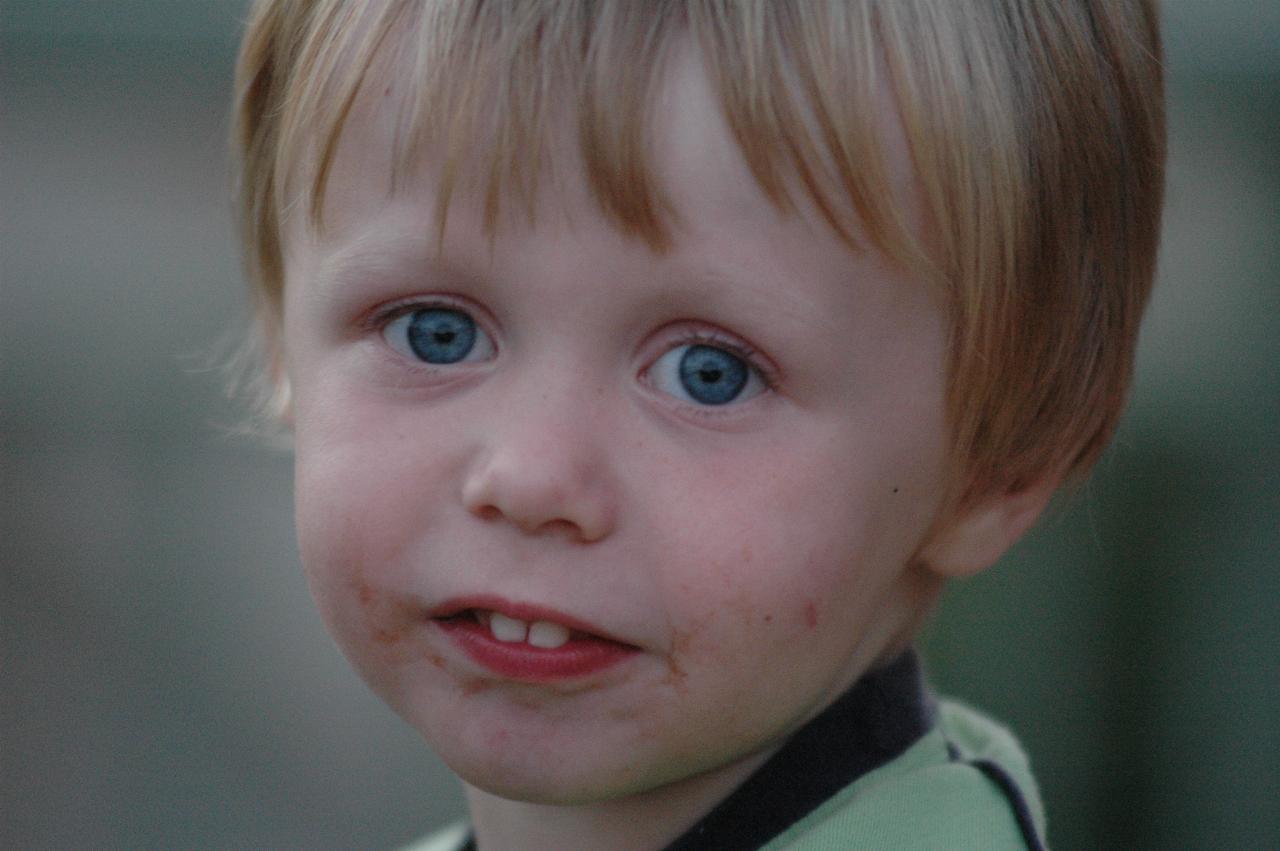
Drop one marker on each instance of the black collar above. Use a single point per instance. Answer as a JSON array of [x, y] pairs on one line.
[[884, 713]]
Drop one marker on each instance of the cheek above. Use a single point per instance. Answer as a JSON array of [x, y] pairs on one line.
[[363, 501], [357, 522], [342, 508], [790, 545], [751, 552]]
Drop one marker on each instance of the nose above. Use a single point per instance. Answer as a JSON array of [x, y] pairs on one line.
[[543, 470]]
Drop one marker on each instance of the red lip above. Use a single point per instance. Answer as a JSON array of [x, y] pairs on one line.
[[588, 650]]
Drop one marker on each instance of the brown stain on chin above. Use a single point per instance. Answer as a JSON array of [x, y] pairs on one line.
[[810, 615]]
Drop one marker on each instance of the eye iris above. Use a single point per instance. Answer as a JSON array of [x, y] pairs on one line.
[[439, 335], [712, 376]]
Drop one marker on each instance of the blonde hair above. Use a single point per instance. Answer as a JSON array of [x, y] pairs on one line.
[[1036, 132]]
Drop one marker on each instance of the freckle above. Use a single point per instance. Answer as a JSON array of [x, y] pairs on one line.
[[895, 490], [364, 592], [746, 553], [768, 618], [810, 614]]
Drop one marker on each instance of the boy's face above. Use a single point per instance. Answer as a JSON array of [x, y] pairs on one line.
[[714, 466]]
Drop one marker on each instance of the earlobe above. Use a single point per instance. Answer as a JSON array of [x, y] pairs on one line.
[[974, 538]]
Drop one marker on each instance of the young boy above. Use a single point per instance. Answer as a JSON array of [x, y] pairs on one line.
[[652, 365]]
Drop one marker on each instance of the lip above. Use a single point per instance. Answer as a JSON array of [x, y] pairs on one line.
[[589, 649]]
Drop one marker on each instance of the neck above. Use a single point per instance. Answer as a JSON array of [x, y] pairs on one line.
[[640, 822]]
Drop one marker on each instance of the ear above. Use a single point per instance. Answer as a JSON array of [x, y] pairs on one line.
[[974, 538]]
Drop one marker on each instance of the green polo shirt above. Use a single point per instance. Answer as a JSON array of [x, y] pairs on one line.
[[960, 786]]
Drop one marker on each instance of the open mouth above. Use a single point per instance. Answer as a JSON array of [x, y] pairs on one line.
[[543, 634], [533, 648]]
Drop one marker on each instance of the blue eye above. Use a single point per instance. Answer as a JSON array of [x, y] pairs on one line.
[[706, 375], [438, 335]]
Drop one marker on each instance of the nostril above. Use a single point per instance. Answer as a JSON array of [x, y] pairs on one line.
[[487, 512], [564, 527]]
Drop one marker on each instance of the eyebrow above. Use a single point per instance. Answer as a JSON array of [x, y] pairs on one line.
[[377, 254], [366, 254]]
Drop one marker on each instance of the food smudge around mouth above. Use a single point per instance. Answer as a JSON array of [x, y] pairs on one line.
[[388, 621]]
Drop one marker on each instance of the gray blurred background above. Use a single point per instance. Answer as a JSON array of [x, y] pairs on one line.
[[166, 684]]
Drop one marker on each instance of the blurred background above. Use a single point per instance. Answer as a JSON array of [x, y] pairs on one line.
[[167, 684]]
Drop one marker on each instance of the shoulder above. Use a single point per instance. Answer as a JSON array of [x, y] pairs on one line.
[[965, 785], [452, 838]]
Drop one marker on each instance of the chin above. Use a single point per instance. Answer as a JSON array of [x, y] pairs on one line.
[[532, 790], [517, 780], [558, 776]]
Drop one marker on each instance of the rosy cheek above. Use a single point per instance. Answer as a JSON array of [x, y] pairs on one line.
[[352, 514]]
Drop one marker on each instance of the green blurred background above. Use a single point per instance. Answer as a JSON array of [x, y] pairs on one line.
[[166, 683]]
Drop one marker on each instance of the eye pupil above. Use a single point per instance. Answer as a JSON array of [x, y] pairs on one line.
[[712, 376], [441, 335]]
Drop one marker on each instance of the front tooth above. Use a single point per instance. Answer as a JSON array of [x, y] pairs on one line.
[[507, 629], [547, 635]]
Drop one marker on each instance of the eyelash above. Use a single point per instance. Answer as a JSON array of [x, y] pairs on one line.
[[379, 319]]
